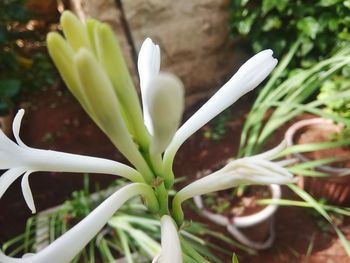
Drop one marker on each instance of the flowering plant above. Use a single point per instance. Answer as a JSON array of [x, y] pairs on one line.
[[90, 62]]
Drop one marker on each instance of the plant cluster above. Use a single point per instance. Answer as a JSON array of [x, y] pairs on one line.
[[321, 26], [333, 87], [90, 62], [149, 135], [282, 100], [292, 97], [19, 70]]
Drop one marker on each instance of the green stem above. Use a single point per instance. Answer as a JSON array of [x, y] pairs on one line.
[[177, 212], [153, 161], [163, 199], [157, 165]]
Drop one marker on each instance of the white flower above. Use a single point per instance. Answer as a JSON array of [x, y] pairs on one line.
[[162, 97], [66, 247], [249, 76], [19, 158], [171, 248], [148, 65], [257, 169]]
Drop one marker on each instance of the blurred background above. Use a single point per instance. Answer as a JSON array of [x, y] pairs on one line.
[[201, 41]]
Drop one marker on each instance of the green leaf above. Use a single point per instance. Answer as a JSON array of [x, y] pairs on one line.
[[316, 163], [308, 26], [285, 202], [326, 3], [9, 88], [309, 199], [234, 258], [272, 23], [309, 147], [306, 47], [344, 35], [305, 172], [347, 3], [268, 5], [244, 2], [245, 25]]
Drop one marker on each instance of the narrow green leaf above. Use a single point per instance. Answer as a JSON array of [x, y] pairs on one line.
[[234, 258], [308, 147], [308, 198], [305, 172], [284, 202]]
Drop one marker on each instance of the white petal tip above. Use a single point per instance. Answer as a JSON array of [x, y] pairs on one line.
[[265, 52], [16, 126], [27, 193]]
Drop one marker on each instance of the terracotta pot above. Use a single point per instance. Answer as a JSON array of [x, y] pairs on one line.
[[335, 187], [259, 225]]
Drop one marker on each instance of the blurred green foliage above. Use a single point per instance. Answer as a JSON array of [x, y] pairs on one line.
[[321, 25], [20, 68], [333, 87]]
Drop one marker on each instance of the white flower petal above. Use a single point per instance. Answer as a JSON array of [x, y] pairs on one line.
[[242, 171], [21, 158], [171, 247], [54, 161], [148, 62], [7, 160], [250, 65], [66, 247], [270, 154], [16, 126], [6, 144], [27, 193], [251, 73], [165, 101], [148, 66], [13, 155], [7, 178]]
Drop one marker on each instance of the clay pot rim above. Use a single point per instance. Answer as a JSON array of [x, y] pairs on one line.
[[334, 172], [242, 221]]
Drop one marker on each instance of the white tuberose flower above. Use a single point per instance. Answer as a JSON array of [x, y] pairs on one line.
[[171, 248], [248, 76], [162, 97], [19, 158], [148, 65], [258, 169]]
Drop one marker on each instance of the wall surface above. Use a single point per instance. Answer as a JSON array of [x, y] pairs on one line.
[[193, 37]]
